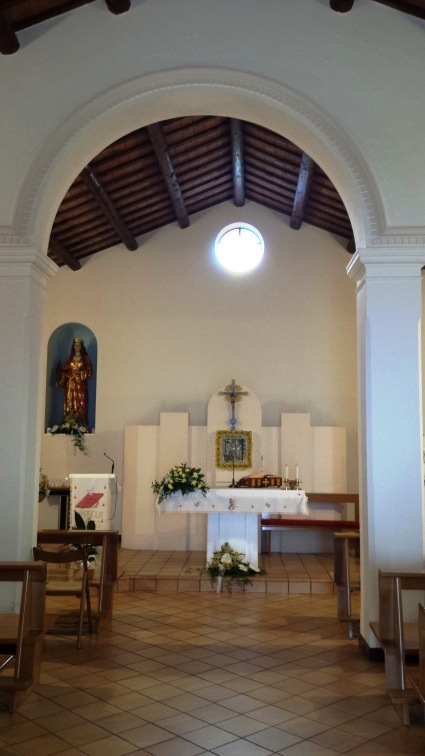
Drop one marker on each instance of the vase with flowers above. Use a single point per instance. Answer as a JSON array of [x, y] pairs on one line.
[[181, 478], [228, 565]]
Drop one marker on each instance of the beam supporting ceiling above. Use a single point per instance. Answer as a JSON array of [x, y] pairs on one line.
[[167, 169], [108, 208], [236, 136], [305, 177]]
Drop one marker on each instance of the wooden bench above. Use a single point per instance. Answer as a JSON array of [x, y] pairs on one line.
[[21, 635], [106, 576], [417, 675], [343, 579], [396, 637], [309, 523]]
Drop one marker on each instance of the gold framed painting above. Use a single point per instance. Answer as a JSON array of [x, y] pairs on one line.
[[233, 449]]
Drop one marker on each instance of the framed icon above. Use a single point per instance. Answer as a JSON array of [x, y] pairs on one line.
[[233, 449]]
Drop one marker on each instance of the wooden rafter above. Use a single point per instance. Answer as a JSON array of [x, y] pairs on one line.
[[236, 136], [302, 191], [159, 144], [404, 6], [9, 42], [118, 6], [108, 208], [342, 6], [62, 253]]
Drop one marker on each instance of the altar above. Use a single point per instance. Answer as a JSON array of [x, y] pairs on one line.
[[234, 514]]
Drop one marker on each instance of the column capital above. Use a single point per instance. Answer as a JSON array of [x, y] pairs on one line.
[[386, 262], [21, 260]]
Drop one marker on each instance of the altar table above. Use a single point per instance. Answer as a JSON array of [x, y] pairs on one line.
[[233, 514]]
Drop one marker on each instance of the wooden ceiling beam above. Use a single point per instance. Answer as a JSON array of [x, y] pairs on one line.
[[236, 136], [351, 246], [9, 42], [56, 248], [159, 144], [342, 6], [302, 191], [108, 208], [413, 9], [118, 6]]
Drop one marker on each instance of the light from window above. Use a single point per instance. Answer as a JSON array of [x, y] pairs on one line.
[[239, 248]]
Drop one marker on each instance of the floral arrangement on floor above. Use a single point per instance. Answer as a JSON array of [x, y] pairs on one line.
[[231, 564], [43, 484], [71, 425], [180, 478]]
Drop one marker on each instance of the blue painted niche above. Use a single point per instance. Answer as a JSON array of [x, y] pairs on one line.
[[58, 350]]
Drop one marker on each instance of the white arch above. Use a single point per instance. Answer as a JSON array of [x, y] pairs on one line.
[[171, 94]]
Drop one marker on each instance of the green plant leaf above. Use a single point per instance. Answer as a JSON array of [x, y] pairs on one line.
[[79, 522], [91, 525]]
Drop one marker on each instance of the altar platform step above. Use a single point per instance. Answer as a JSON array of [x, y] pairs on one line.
[[178, 571]]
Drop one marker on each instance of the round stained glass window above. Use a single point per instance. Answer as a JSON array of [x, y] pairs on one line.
[[239, 247]]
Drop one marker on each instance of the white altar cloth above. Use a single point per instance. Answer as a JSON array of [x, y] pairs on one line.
[[239, 500], [233, 514]]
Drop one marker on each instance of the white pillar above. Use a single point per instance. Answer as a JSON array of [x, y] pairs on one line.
[[389, 311], [24, 273]]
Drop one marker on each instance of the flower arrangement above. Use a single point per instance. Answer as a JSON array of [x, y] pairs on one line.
[[180, 478], [231, 564], [43, 484], [71, 425]]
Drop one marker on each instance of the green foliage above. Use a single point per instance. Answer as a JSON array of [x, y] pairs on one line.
[[231, 564], [72, 425], [180, 478]]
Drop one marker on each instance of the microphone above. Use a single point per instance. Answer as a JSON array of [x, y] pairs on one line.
[[113, 463]]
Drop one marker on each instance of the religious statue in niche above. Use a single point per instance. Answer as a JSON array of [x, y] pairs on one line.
[[74, 374]]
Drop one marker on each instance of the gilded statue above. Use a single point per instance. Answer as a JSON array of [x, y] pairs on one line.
[[75, 372]]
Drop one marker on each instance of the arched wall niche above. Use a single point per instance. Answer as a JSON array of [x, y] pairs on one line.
[[197, 91], [58, 349]]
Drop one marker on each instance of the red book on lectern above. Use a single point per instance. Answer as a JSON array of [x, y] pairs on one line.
[[89, 500]]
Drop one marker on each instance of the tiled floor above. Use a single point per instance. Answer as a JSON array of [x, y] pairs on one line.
[[184, 571], [182, 674]]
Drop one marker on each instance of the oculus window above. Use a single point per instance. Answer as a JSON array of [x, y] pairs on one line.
[[239, 248]]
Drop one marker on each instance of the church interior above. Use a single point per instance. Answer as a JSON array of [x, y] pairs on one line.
[[134, 134]]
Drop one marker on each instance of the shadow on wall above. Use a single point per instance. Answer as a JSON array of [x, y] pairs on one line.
[[58, 350]]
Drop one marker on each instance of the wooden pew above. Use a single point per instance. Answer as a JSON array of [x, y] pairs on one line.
[[21, 635], [268, 524], [343, 580], [417, 675], [396, 637], [106, 577]]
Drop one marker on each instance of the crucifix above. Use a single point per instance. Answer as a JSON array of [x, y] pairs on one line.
[[233, 394]]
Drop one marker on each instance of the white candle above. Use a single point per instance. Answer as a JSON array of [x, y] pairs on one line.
[[286, 472], [297, 472]]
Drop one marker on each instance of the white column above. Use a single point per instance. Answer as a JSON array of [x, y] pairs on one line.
[[389, 310], [24, 273]]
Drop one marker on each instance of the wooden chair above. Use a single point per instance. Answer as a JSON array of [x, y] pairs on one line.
[[345, 584], [78, 588], [21, 635], [107, 542], [396, 637]]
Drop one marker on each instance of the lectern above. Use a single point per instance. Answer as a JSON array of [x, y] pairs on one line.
[[91, 496]]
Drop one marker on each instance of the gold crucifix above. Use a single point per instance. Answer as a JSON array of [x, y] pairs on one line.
[[233, 394]]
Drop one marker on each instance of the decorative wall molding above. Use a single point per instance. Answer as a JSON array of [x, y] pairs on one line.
[[209, 91]]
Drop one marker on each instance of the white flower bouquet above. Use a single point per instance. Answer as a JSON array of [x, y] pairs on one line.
[[180, 478], [231, 564]]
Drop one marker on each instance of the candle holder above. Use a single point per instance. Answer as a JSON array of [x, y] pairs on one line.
[[291, 485]]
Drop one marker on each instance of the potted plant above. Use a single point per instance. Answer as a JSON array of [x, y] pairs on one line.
[[43, 486]]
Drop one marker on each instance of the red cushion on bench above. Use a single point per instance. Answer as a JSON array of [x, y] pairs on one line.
[[273, 522]]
